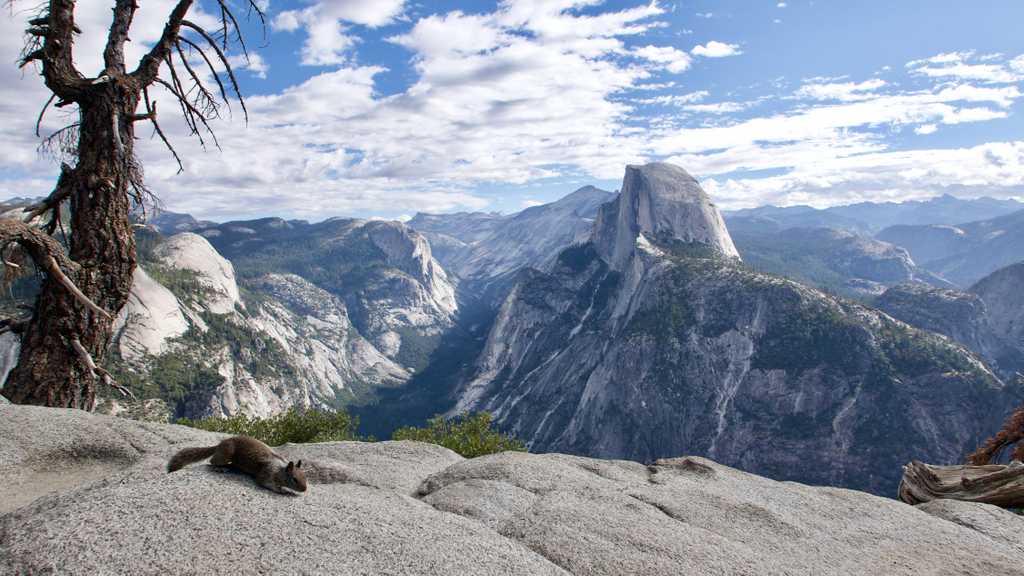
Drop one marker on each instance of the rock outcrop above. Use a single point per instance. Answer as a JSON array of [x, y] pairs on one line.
[[150, 319], [965, 253], [86, 494], [655, 341], [1003, 293], [834, 259], [963, 316], [193, 253], [482, 247], [397, 295], [662, 203], [195, 345]]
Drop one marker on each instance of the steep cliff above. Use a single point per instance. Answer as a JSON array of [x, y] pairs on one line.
[[480, 247], [1003, 293], [397, 295], [963, 316], [965, 253], [653, 340], [838, 260], [192, 341]]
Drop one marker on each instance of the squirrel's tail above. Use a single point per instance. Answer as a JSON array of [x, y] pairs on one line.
[[188, 456]]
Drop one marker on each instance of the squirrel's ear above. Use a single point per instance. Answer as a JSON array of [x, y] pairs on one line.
[[299, 464], [290, 466]]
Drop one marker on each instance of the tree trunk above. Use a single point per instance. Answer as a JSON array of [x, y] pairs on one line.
[[50, 371], [1001, 485]]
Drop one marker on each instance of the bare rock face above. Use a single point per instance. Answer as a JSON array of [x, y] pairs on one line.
[[1003, 293], [663, 202], [407, 508], [294, 346], [397, 295], [192, 252], [483, 247], [655, 341], [963, 316], [151, 317]]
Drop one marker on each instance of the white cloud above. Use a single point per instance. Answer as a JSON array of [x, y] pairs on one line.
[[1017, 64], [326, 23], [531, 90], [823, 122], [717, 107], [673, 59], [676, 99], [963, 66], [842, 91], [988, 169], [452, 33], [715, 49], [781, 5]]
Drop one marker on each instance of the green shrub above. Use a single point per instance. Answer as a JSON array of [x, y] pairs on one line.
[[292, 426], [469, 435]]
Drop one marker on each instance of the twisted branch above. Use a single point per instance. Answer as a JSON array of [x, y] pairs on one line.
[[98, 372], [49, 255]]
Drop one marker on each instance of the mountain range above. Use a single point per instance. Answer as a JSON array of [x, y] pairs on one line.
[[636, 325]]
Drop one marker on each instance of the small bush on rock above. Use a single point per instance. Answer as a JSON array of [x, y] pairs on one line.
[[470, 435], [297, 426]]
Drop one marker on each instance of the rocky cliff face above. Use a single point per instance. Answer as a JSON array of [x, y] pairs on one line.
[[480, 247], [989, 319], [964, 317], [215, 275], [965, 253], [151, 318], [1003, 293], [407, 508], [652, 340], [397, 295], [838, 260], [663, 203], [193, 342]]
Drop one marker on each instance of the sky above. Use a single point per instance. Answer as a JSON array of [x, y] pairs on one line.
[[385, 108]]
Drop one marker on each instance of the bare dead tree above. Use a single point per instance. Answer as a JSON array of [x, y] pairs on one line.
[[85, 286]]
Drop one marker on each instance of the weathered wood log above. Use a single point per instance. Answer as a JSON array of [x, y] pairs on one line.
[[1001, 485]]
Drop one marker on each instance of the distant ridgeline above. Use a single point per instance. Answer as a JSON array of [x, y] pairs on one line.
[[628, 325]]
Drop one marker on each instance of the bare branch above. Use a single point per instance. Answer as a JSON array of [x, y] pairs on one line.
[[98, 372], [62, 144], [203, 97], [42, 112], [54, 200], [53, 269], [151, 111], [49, 255], [192, 113], [113, 54], [227, 66], [149, 66], [14, 325], [213, 70]]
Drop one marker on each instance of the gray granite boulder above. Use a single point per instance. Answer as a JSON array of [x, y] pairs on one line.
[[88, 494]]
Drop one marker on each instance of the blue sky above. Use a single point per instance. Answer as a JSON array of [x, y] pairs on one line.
[[383, 108]]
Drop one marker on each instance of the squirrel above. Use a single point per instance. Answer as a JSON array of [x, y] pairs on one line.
[[250, 456]]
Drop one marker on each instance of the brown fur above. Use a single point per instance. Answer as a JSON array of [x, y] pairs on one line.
[[250, 456]]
